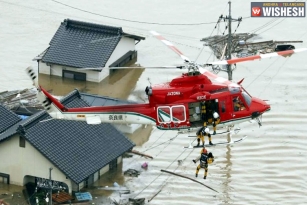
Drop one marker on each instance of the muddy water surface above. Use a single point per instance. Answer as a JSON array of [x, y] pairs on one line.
[[268, 167]]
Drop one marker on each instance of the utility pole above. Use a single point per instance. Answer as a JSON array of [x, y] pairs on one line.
[[229, 44], [50, 187], [229, 40]]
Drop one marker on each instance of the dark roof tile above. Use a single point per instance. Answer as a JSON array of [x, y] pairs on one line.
[[14, 128], [76, 148], [81, 44], [73, 100], [7, 118]]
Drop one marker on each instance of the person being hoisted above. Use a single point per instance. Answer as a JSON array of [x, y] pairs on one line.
[[216, 120], [205, 158], [201, 133]]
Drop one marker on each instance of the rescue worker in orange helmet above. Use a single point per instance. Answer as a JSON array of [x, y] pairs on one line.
[[216, 120], [205, 158]]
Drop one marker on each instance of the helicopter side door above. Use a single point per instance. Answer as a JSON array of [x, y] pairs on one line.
[[225, 111], [171, 117]]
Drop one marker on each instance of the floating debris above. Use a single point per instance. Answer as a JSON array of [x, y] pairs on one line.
[[25, 99], [140, 201], [145, 165], [132, 172], [240, 47]]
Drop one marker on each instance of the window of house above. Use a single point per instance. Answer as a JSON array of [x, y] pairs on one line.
[[22, 142]]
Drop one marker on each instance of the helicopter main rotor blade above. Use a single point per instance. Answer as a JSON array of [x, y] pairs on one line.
[[170, 45], [132, 67], [255, 57], [146, 67]]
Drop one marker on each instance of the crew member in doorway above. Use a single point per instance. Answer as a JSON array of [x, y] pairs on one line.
[[201, 133], [203, 113], [216, 120], [205, 158], [209, 109]]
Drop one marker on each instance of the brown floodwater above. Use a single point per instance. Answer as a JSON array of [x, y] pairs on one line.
[[119, 84]]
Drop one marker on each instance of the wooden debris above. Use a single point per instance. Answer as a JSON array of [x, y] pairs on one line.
[[16, 98], [179, 175], [154, 195], [240, 47], [141, 154]]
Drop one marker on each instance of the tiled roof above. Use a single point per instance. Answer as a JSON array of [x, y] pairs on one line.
[[76, 148], [73, 99], [7, 118], [13, 129], [83, 45]]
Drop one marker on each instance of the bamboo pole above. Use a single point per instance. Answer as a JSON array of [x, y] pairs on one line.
[[154, 195], [179, 175], [141, 154]]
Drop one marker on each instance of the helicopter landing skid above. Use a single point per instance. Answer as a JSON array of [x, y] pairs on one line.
[[236, 131], [219, 143]]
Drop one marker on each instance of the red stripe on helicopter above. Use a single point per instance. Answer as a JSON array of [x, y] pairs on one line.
[[169, 44], [176, 50], [237, 60], [281, 53], [160, 38], [250, 58]]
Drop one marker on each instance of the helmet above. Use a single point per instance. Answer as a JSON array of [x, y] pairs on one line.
[[215, 115], [207, 130], [205, 150]]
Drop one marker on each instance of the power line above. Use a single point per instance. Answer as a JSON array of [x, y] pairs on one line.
[[141, 22]]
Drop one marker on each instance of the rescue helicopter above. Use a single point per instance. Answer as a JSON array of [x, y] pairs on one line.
[[174, 105]]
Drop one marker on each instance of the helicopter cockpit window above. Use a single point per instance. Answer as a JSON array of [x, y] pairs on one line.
[[247, 98], [234, 90], [238, 105]]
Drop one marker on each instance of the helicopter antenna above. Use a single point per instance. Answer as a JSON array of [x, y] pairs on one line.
[[149, 81]]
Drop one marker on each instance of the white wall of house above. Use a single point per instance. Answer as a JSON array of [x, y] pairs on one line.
[[22, 161], [44, 68], [28, 161], [124, 45]]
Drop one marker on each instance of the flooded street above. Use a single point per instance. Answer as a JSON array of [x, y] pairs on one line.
[[118, 85], [268, 167]]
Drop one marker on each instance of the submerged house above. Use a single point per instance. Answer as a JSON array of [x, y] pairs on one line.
[[83, 51], [78, 153]]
